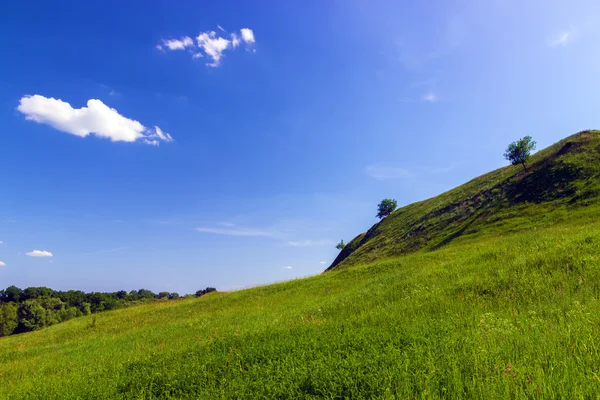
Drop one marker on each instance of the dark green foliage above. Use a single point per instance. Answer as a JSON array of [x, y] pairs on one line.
[[519, 152], [386, 207], [38, 307], [32, 316], [10, 294], [340, 245], [8, 318], [205, 291], [145, 294]]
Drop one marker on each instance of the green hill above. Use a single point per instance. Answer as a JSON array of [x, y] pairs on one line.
[[558, 182], [506, 306]]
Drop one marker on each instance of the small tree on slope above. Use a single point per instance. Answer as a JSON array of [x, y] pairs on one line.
[[386, 207], [340, 245], [519, 152]]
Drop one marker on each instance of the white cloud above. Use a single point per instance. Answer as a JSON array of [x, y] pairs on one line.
[[209, 43], [288, 267], [97, 119], [39, 253], [323, 262], [381, 173], [1, 242], [562, 39], [213, 46], [235, 231], [235, 40], [247, 35], [2, 264], [309, 243], [175, 44], [159, 134], [226, 224], [430, 97]]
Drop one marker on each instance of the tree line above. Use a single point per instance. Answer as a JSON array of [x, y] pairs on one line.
[[37, 307]]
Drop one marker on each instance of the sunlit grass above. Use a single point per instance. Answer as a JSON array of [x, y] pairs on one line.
[[511, 317], [487, 291]]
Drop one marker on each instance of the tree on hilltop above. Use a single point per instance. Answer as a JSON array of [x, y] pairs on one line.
[[340, 245], [386, 207], [519, 152]]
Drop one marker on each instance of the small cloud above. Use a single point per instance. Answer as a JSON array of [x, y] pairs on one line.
[[226, 224], [2, 264], [1, 242], [309, 243], [247, 35], [39, 253], [213, 46], [288, 267], [430, 97], [323, 262], [381, 173], [562, 39], [235, 40], [175, 44], [210, 44], [235, 231], [97, 119]]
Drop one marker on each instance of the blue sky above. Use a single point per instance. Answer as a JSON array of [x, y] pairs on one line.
[[278, 133]]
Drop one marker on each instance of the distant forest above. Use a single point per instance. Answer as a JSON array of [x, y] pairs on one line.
[[37, 307]]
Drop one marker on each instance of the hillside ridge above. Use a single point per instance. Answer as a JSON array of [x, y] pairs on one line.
[[561, 175]]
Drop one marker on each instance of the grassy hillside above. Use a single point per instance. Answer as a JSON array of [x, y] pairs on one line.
[[560, 179], [508, 311]]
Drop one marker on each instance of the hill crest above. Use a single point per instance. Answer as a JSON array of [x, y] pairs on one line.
[[559, 177]]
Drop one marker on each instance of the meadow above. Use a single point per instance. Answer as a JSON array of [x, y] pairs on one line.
[[487, 291], [495, 318]]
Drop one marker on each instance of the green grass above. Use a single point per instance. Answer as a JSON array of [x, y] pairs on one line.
[[508, 308], [512, 317]]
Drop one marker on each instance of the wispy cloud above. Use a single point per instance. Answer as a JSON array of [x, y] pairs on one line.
[[2, 264], [381, 172], [1, 242], [415, 50], [235, 231], [96, 119], [562, 39], [39, 253], [210, 44], [309, 243], [106, 251], [323, 262], [430, 97], [288, 267]]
